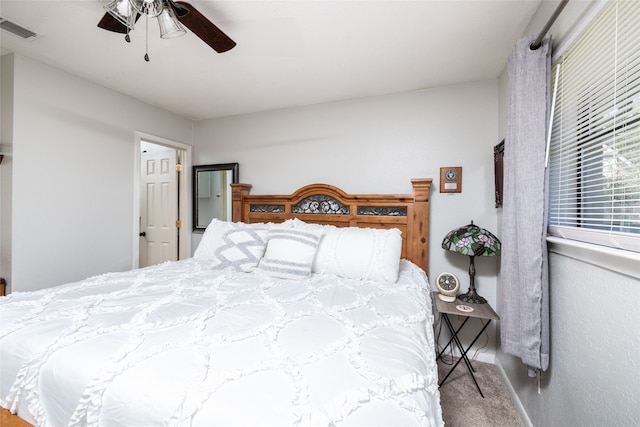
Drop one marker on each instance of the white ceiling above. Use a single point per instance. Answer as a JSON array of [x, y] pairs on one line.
[[288, 53]]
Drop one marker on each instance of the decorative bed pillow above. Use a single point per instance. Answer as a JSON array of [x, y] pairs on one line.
[[359, 253], [234, 244], [242, 248], [212, 239], [290, 252]]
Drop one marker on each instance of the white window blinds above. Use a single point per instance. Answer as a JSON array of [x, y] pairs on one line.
[[594, 158]]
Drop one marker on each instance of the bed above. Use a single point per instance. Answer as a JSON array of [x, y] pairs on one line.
[[299, 312]]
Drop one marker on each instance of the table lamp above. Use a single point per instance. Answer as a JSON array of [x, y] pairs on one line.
[[473, 241]]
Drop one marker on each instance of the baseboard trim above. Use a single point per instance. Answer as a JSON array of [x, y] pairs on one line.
[[512, 393]]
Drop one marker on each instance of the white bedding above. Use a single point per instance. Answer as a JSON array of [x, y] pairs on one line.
[[183, 344]]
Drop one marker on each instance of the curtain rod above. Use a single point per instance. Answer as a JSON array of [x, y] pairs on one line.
[[535, 45]]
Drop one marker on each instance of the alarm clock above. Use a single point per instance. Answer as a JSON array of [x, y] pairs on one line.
[[448, 286]]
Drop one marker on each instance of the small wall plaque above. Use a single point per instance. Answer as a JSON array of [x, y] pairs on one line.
[[451, 179]]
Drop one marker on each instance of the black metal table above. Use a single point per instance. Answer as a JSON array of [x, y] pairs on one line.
[[480, 311]]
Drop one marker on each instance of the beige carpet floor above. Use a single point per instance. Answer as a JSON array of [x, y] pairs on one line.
[[462, 405]]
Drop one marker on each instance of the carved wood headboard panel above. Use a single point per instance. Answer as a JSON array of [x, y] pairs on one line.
[[325, 204]]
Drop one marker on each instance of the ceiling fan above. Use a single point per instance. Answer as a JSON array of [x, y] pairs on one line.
[[122, 15]]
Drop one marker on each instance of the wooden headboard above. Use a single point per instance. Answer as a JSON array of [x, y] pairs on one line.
[[325, 204]]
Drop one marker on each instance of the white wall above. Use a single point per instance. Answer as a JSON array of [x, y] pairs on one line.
[[594, 370], [594, 376], [6, 135], [376, 145], [71, 198]]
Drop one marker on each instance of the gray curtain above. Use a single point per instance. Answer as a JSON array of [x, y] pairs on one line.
[[523, 296]]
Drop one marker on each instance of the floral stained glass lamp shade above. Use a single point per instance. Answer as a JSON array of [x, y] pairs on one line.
[[472, 241]]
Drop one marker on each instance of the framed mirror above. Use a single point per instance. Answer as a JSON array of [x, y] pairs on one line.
[[212, 193]]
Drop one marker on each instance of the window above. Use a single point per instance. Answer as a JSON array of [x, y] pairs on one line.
[[594, 158]]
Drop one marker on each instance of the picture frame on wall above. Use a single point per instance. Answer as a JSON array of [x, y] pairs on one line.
[[451, 179], [498, 170]]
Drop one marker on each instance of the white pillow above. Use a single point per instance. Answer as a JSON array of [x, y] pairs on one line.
[[242, 248], [234, 244], [359, 253], [290, 252]]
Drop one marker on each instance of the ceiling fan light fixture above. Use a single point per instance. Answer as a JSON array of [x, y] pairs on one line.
[[123, 11], [175, 17], [152, 8], [170, 27]]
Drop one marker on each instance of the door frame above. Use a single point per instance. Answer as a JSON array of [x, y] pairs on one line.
[[184, 240]]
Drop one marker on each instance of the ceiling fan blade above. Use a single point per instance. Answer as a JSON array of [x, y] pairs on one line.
[[109, 23], [202, 27]]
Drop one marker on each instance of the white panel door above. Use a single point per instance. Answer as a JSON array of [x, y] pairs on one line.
[[158, 208]]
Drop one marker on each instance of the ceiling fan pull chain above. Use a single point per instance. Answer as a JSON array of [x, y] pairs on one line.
[[146, 47], [126, 37]]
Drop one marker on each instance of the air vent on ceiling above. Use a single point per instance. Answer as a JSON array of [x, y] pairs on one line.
[[16, 29]]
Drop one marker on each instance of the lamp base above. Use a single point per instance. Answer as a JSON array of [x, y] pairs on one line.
[[472, 297]]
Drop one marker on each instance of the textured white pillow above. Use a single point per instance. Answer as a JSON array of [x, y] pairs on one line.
[[234, 244], [211, 239], [359, 253], [242, 248], [290, 252]]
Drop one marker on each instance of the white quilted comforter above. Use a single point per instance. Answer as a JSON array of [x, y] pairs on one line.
[[181, 344]]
